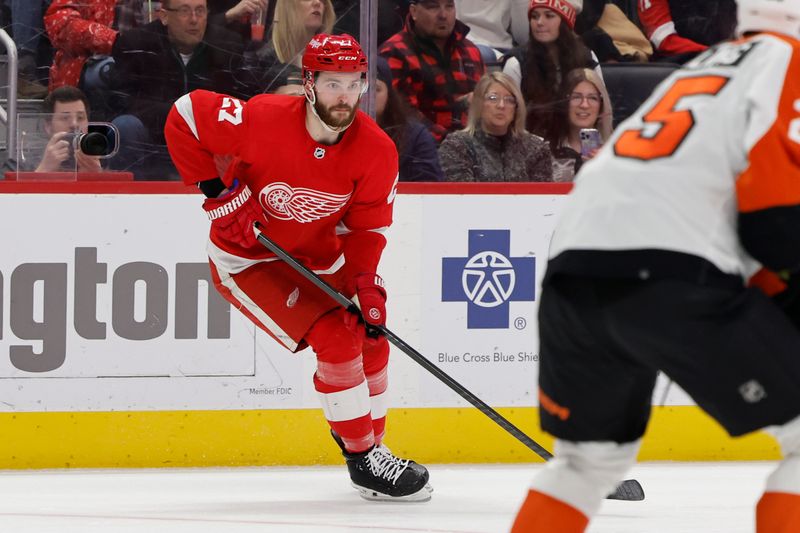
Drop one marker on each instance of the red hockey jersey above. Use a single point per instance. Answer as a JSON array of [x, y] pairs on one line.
[[325, 204]]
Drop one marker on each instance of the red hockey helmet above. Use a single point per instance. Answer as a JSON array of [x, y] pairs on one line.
[[333, 53]]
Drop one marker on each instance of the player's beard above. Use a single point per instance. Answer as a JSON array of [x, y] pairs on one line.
[[326, 114]]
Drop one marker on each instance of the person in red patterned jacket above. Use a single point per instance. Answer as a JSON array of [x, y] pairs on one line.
[[434, 65], [78, 30], [320, 178]]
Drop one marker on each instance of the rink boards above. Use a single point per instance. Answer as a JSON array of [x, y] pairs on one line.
[[114, 352]]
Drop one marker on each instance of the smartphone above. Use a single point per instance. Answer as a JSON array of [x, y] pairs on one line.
[[590, 141]]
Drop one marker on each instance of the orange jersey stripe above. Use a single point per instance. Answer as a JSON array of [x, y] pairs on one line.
[[778, 512], [541, 513], [773, 177]]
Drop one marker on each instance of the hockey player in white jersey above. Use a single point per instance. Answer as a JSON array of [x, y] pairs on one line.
[[648, 262]]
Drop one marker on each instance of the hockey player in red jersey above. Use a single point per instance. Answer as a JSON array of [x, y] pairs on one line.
[[689, 198], [320, 176]]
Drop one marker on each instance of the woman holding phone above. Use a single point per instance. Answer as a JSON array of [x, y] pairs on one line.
[[584, 119]]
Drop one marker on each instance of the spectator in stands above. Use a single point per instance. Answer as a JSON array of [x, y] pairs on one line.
[[553, 48], [495, 146], [161, 62], [415, 145], [434, 66], [500, 24], [27, 28], [78, 30], [66, 112], [278, 57], [83, 33], [586, 106], [681, 29], [297, 21]]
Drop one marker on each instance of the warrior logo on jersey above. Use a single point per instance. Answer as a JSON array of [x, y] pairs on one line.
[[488, 279], [284, 202]]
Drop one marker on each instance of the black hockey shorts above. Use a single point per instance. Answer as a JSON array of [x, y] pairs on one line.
[[603, 341]]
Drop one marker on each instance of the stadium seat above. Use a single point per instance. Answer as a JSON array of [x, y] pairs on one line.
[[630, 84], [490, 58]]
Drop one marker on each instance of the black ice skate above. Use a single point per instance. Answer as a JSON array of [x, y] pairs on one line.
[[378, 474]]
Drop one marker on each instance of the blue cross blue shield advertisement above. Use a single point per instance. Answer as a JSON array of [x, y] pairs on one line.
[[480, 294]]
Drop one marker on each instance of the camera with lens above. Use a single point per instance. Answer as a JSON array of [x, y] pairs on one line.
[[91, 143]]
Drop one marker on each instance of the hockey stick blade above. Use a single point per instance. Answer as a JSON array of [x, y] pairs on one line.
[[627, 490]]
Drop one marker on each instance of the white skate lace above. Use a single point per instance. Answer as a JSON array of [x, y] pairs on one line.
[[384, 464]]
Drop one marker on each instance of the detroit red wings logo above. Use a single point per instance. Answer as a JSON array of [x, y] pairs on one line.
[[303, 205]]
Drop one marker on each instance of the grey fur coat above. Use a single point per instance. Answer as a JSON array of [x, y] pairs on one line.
[[484, 157]]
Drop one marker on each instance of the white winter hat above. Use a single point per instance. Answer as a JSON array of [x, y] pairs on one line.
[[567, 9]]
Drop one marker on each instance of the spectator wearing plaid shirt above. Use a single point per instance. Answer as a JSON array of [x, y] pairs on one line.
[[434, 65]]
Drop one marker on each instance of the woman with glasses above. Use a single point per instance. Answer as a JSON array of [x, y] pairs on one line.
[[586, 106], [495, 146], [552, 50]]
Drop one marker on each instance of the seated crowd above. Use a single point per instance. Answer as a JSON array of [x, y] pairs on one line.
[[468, 90]]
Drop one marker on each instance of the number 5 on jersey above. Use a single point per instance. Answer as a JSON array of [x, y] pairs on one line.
[[673, 125]]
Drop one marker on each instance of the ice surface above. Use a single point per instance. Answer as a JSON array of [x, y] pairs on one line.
[[681, 498]]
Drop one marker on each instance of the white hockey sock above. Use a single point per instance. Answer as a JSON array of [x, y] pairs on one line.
[[786, 478], [582, 474]]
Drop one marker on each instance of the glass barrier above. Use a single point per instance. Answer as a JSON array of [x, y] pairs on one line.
[[64, 147], [153, 63]]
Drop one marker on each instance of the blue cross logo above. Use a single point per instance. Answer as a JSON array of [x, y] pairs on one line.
[[488, 279]]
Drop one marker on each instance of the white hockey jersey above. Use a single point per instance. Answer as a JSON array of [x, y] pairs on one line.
[[708, 170]]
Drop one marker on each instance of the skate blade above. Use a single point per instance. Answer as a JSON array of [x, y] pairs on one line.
[[422, 495]]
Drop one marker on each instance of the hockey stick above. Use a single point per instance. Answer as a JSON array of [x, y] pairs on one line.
[[629, 489]]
